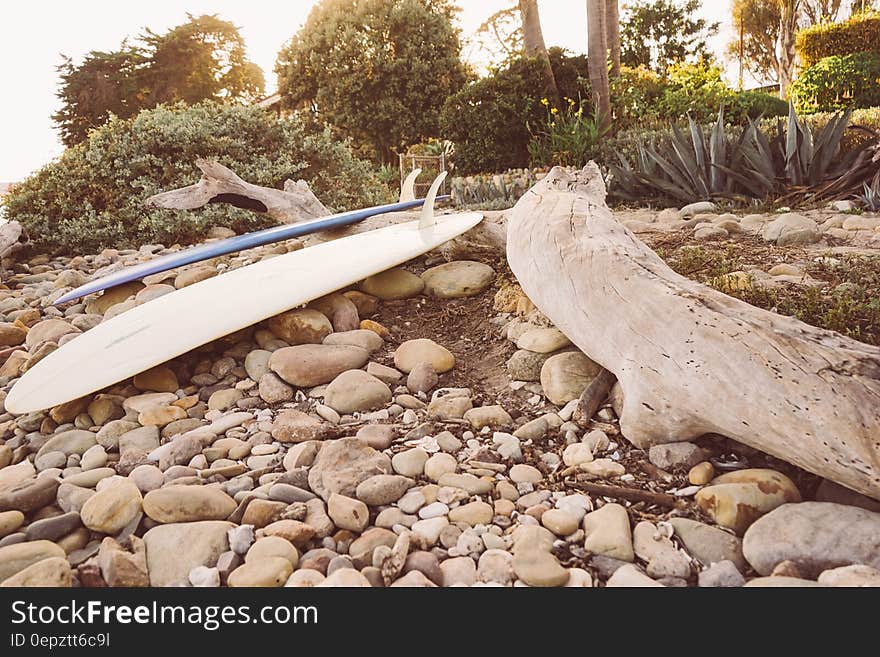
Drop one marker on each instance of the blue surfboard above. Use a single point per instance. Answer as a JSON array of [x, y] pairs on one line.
[[233, 244]]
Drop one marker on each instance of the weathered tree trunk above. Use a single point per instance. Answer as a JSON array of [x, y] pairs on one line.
[[597, 59], [10, 240], [689, 359], [787, 31], [612, 36], [221, 185], [533, 45]]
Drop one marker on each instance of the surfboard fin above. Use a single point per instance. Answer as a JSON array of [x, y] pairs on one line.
[[427, 217], [408, 188]]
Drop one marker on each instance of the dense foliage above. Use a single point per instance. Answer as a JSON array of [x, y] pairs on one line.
[[838, 82], [203, 59], [378, 71], [642, 97], [92, 197], [656, 33], [861, 33], [489, 119]]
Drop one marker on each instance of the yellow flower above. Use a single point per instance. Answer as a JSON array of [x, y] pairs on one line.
[[545, 102], [553, 110]]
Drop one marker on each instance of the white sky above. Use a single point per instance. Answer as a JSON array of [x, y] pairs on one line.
[[34, 33]]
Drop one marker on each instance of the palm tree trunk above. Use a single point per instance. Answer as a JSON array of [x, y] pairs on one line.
[[533, 45], [612, 36], [597, 59], [787, 54]]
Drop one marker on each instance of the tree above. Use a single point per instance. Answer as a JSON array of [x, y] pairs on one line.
[[500, 36], [376, 70], [656, 33], [758, 20], [612, 35], [203, 59], [597, 59], [104, 84], [788, 24], [533, 45]]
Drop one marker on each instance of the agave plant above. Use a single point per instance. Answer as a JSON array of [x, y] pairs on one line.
[[794, 163], [697, 165], [870, 198]]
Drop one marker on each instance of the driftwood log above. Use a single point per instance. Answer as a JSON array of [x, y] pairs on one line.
[[11, 237], [689, 359], [219, 184]]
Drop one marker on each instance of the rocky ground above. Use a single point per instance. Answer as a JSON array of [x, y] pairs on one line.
[[419, 429]]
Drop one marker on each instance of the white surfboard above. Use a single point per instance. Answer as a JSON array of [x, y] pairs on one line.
[[171, 325]]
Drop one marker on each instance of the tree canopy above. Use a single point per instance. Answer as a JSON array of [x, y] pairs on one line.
[[203, 59], [657, 33], [378, 71]]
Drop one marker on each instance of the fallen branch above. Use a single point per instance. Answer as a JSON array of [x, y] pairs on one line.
[[691, 360], [628, 494], [219, 184]]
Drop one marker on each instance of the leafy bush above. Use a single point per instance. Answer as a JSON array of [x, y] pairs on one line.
[[640, 97], [569, 137], [488, 120], [858, 34], [838, 82], [92, 197]]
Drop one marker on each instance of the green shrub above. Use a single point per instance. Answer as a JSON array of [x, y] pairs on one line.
[[569, 137], [92, 197], [838, 82], [642, 98], [858, 34], [488, 120]]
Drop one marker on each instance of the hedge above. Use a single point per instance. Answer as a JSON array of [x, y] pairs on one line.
[[838, 82], [858, 34]]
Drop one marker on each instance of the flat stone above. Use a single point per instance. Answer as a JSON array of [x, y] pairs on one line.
[[674, 456], [363, 338], [737, 499], [310, 365], [525, 365], [565, 376], [816, 536], [292, 426], [392, 284], [488, 416], [112, 508], [459, 571], [300, 326], [608, 532], [10, 521], [74, 441], [630, 576], [496, 566], [543, 340], [343, 464], [51, 529], [188, 504], [377, 436], [410, 462], [383, 489], [459, 278], [266, 572], [422, 350], [173, 550], [52, 572], [721, 574], [472, 513], [850, 576], [30, 494], [15, 558], [709, 544], [355, 390]]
